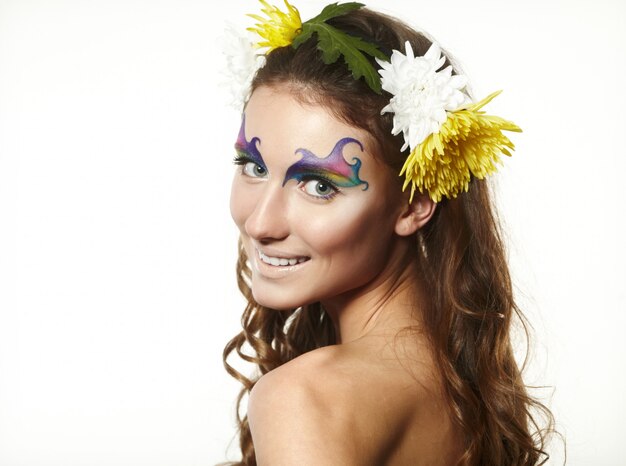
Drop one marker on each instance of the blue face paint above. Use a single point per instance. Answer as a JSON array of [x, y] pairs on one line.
[[247, 151], [331, 171], [332, 168]]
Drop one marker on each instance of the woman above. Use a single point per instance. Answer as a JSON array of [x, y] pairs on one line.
[[378, 317]]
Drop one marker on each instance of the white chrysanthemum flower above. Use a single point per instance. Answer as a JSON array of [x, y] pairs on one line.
[[243, 60], [421, 93]]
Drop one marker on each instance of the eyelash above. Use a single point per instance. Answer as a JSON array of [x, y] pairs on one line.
[[242, 160]]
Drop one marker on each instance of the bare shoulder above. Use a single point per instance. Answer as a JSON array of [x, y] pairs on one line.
[[343, 405], [294, 416]]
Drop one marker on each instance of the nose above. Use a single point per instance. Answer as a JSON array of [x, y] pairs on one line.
[[268, 220]]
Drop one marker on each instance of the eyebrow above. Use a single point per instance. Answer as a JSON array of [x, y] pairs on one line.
[[333, 167], [248, 149]]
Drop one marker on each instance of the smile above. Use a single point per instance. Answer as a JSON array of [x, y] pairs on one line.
[[281, 261]]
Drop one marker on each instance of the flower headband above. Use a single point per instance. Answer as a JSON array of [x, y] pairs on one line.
[[449, 137]]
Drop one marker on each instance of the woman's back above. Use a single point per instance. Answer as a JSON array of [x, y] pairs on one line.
[[375, 401]]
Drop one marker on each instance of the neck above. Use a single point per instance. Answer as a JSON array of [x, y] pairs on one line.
[[386, 304]]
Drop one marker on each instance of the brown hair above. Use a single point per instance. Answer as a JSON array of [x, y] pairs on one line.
[[462, 259]]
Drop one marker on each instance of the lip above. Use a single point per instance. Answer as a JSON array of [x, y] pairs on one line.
[[277, 271], [280, 260], [270, 251]]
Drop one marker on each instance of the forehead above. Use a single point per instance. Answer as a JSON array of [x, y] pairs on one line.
[[284, 124]]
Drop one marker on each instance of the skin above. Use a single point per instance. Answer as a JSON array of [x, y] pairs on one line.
[[375, 397]]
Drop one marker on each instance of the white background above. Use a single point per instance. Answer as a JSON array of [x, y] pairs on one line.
[[117, 285]]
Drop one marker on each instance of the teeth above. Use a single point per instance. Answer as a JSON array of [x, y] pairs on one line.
[[276, 261]]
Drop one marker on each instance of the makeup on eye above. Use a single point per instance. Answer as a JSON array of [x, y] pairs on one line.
[[312, 184], [332, 168], [319, 177], [247, 151], [249, 166]]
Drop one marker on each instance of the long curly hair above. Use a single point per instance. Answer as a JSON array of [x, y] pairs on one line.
[[470, 307]]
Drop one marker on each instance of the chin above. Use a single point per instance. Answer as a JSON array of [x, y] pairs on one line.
[[275, 302], [278, 301]]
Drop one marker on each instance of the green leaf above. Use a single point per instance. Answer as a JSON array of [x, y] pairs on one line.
[[334, 43], [330, 11], [302, 37], [333, 10]]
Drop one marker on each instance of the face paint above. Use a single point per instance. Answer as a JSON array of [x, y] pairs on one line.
[[337, 246], [332, 168], [247, 150]]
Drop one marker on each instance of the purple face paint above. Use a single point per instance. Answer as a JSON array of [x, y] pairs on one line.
[[332, 168], [247, 151]]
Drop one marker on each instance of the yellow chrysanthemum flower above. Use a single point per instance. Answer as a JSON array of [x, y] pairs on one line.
[[279, 28], [468, 142]]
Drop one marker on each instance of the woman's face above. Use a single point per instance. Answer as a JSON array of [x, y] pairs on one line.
[[315, 209]]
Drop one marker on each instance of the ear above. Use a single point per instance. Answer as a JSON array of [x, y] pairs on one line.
[[415, 215]]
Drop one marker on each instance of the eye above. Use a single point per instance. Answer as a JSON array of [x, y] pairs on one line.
[[320, 188], [249, 167], [254, 170]]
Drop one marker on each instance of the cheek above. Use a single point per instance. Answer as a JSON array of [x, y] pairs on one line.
[[354, 231]]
